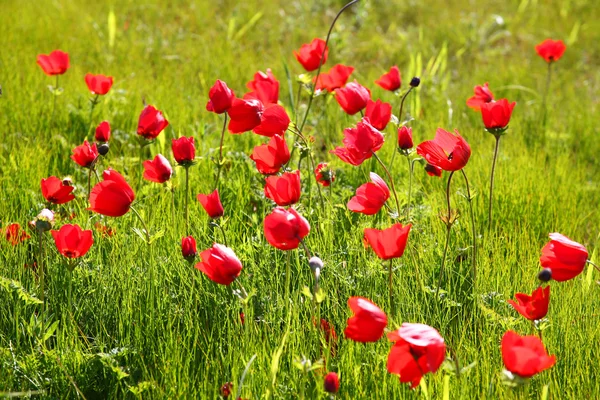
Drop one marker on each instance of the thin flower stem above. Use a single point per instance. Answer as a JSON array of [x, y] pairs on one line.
[[54, 102], [545, 98], [187, 195], [402, 105], [137, 214], [93, 105], [222, 232], [311, 165], [474, 230], [593, 265], [42, 277], [314, 88], [305, 249], [391, 287], [448, 230], [490, 205], [221, 153], [410, 176], [387, 171]]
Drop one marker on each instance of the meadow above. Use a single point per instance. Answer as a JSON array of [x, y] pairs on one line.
[[136, 320]]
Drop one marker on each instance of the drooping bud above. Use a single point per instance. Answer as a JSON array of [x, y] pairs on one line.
[[103, 149], [415, 82], [545, 275]]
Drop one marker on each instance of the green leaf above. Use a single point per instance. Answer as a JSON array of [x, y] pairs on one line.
[[307, 292], [15, 287], [320, 295], [50, 331]]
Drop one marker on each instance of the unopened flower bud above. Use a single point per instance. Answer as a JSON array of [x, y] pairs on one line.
[[44, 220], [415, 82], [103, 149], [545, 275], [315, 262], [67, 181]]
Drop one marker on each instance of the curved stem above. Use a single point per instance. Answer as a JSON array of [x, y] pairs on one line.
[[221, 152], [387, 171], [473, 229], [306, 250], [593, 265], [402, 105], [137, 214], [448, 230], [312, 94], [490, 205]]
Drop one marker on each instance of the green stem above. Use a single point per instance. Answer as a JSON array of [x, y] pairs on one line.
[[222, 232], [137, 214], [473, 229], [402, 105], [593, 265], [490, 205], [93, 105], [314, 88], [187, 196], [221, 152], [387, 171], [42, 277], [448, 230], [545, 98], [410, 176], [311, 166], [391, 287]]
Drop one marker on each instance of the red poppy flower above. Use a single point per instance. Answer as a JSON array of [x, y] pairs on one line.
[[158, 170], [98, 84], [390, 81], [405, 140], [245, 115], [309, 55], [285, 189], [368, 322], [496, 114], [360, 143], [525, 355], [15, 235], [113, 196], [370, 197], [388, 243], [335, 78], [183, 150], [284, 229], [103, 132], [379, 113], [432, 170], [85, 154], [532, 307], [188, 248], [265, 87], [273, 121], [151, 123], [417, 350], [446, 151], [483, 95], [55, 191], [220, 98], [564, 257], [332, 383], [55, 63], [353, 97], [551, 50], [324, 174], [220, 264], [271, 156], [212, 204], [71, 241]]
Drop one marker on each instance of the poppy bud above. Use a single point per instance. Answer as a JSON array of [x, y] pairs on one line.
[[103, 149], [188, 248], [332, 383], [545, 275], [415, 82], [315, 262], [44, 220]]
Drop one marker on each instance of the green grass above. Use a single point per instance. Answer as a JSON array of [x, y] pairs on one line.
[[145, 319]]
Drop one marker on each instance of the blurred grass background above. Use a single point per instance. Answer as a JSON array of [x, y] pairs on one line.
[[147, 325]]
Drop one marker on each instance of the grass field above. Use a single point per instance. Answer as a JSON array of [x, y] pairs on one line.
[[145, 324]]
